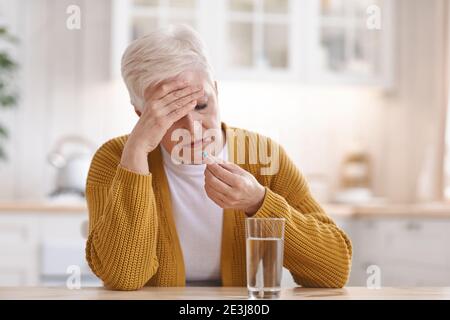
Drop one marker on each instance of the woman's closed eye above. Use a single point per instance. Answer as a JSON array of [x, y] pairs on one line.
[[201, 106]]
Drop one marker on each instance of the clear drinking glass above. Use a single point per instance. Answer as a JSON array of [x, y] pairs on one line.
[[265, 243]]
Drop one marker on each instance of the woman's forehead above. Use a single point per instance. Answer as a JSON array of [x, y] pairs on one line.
[[193, 77]]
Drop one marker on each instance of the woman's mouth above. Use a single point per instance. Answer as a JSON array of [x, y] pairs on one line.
[[196, 144]]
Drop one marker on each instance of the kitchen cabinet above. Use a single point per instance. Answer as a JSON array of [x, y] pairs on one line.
[[352, 41], [410, 251], [38, 247], [309, 41], [19, 249], [62, 244]]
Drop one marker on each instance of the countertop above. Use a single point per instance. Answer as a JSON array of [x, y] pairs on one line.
[[425, 210], [389, 210], [42, 207], [223, 293]]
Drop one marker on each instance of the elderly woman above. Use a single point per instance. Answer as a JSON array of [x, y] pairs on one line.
[[170, 213]]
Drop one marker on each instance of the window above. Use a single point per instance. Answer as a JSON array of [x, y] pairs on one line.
[[148, 15], [313, 41], [258, 34], [346, 48]]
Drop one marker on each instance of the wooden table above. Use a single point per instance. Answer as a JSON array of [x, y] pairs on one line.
[[223, 293]]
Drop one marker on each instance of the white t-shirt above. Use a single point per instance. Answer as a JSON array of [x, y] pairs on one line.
[[198, 219]]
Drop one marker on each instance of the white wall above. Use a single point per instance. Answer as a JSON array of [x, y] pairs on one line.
[[315, 124], [63, 76], [66, 91], [413, 118]]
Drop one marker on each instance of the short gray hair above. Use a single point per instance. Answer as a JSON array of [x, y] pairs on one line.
[[162, 54]]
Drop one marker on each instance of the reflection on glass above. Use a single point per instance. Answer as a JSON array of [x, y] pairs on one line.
[[333, 44], [358, 54], [276, 6], [276, 45], [153, 3], [241, 5], [188, 4], [142, 26], [333, 7], [349, 47], [366, 57], [240, 39]]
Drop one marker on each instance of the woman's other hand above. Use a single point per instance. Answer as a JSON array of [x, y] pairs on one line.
[[231, 187]]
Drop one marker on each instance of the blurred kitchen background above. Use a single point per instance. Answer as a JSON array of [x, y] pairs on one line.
[[355, 90]]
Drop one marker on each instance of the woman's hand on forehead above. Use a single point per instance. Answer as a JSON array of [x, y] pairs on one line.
[[164, 88]]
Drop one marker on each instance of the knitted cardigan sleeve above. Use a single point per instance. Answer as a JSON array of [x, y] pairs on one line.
[[317, 252], [123, 224]]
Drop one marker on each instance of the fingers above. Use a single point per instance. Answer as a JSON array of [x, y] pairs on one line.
[[166, 116], [215, 196], [173, 99], [207, 159], [179, 113], [182, 93], [229, 166], [182, 102], [210, 159], [223, 174], [165, 88], [217, 185]]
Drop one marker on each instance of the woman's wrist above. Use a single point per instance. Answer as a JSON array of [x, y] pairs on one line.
[[260, 194], [134, 159]]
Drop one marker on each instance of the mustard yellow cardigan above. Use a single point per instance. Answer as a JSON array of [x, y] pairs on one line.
[[133, 241]]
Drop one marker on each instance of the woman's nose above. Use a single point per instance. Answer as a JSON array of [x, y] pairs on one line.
[[192, 123]]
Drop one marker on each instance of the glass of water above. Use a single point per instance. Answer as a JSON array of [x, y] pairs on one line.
[[265, 243]]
